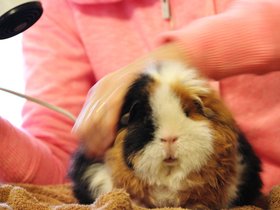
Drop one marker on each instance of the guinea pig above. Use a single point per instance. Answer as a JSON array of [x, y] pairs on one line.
[[177, 145]]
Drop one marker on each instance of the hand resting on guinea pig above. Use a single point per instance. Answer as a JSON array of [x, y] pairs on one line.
[[177, 145]]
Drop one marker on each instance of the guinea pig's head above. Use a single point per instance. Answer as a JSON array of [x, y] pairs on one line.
[[170, 117]]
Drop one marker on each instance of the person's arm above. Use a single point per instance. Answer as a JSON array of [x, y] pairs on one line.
[[243, 39], [57, 71]]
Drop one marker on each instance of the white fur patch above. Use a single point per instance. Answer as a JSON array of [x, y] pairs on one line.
[[169, 72], [165, 197], [99, 179], [194, 142]]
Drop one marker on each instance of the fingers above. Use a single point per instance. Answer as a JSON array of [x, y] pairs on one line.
[[95, 129], [96, 124], [101, 136]]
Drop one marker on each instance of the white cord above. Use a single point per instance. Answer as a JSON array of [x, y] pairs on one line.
[[42, 103]]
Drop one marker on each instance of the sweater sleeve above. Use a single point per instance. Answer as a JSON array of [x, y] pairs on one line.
[[243, 39], [57, 71]]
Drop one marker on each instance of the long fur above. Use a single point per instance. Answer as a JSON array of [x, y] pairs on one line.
[[177, 145]]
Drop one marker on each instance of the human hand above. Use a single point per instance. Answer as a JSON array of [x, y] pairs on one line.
[[96, 124], [97, 121]]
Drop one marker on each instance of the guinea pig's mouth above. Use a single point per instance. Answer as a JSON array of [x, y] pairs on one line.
[[170, 160]]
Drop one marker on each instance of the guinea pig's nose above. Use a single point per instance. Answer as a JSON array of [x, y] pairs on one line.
[[169, 139]]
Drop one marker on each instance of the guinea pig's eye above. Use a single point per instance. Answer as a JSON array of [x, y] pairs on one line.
[[201, 109], [135, 111], [124, 119], [132, 114], [194, 107], [198, 106], [186, 111]]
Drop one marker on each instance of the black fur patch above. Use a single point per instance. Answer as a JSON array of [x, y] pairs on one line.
[[140, 125], [78, 168], [251, 183]]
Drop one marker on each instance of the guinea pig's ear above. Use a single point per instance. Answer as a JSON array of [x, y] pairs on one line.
[[127, 117], [124, 119], [205, 111]]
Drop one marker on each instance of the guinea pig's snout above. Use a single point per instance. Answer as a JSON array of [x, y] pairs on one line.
[[169, 147]]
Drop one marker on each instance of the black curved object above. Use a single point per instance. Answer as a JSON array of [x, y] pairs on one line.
[[19, 19]]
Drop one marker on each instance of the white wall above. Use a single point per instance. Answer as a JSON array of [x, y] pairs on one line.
[[11, 77]]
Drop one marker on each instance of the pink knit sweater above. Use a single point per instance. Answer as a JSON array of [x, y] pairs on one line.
[[77, 42]]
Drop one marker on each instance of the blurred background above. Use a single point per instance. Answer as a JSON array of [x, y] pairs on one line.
[[11, 77]]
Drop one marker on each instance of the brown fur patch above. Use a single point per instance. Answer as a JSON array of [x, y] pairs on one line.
[[123, 177]]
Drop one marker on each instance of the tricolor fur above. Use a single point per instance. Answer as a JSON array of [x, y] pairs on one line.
[[177, 145]]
